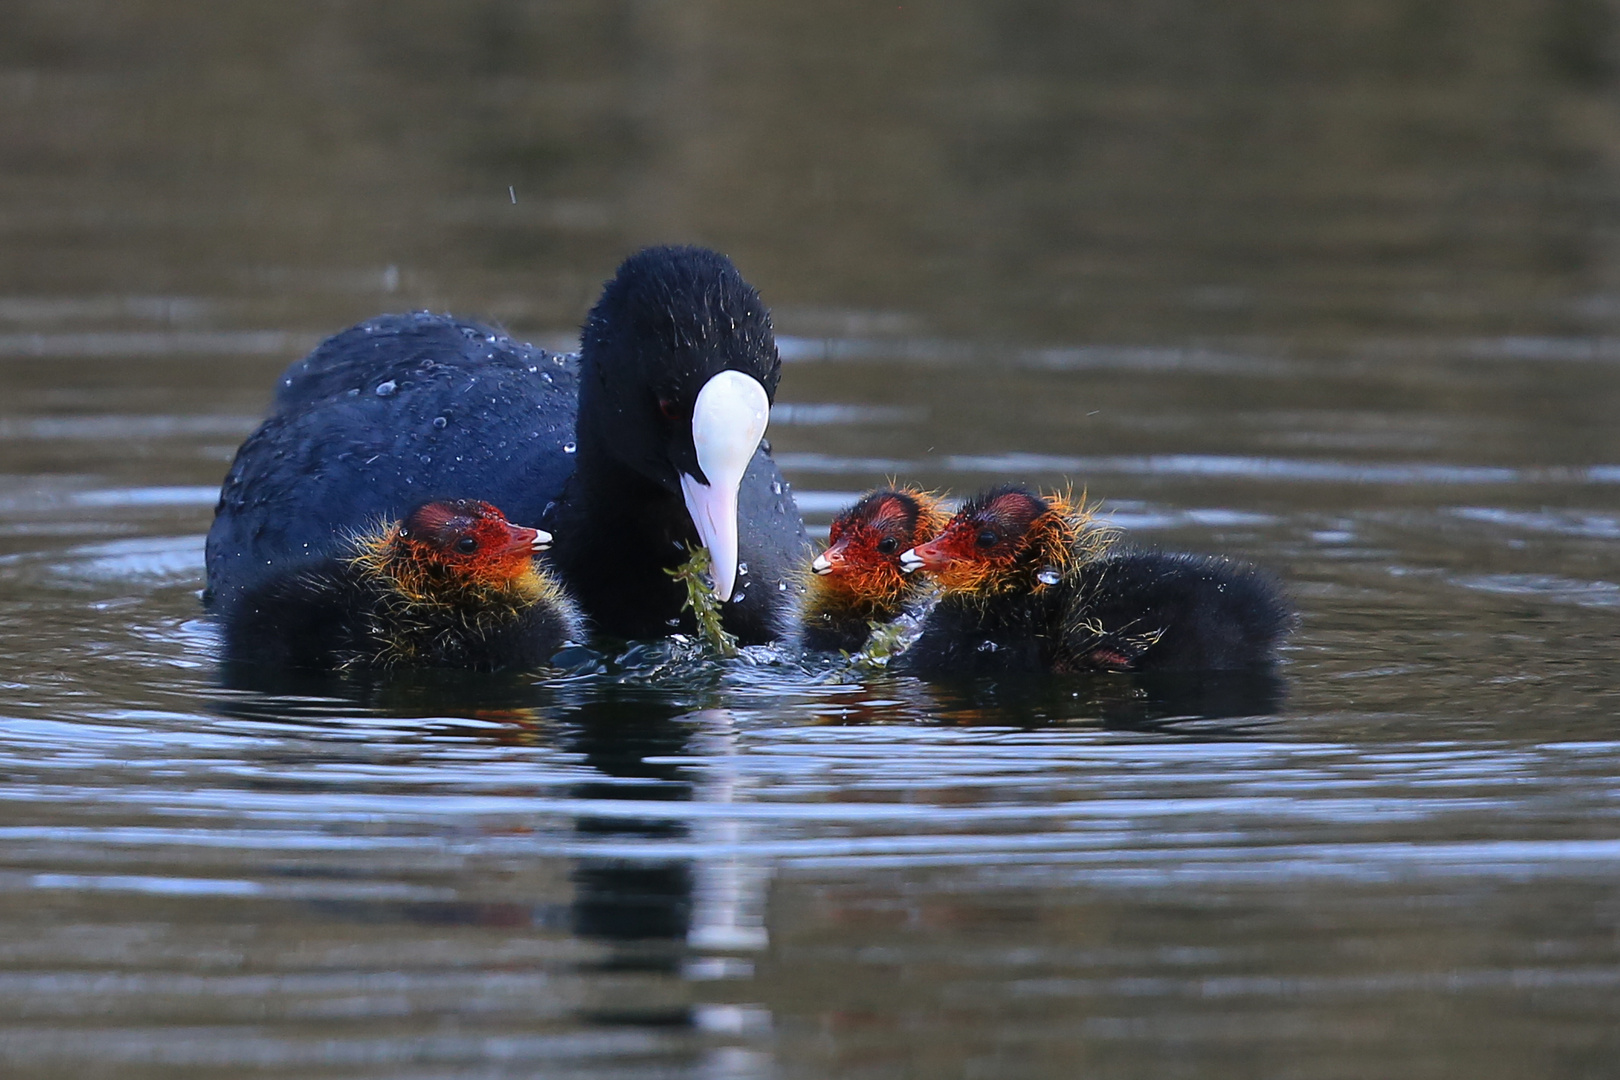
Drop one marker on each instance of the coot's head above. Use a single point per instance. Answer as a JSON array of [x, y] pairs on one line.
[[1004, 539], [464, 542], [678, 375], [865, 542]]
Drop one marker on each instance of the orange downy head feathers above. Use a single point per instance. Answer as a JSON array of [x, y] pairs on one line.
[[469, 540], [447, 551], [860, 570], [1006, 539]]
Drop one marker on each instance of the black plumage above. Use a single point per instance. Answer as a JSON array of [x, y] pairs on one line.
[[1126, 611], [328, 616], [1173, 611]]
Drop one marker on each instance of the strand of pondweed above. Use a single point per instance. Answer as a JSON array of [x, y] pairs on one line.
[[701, 602]]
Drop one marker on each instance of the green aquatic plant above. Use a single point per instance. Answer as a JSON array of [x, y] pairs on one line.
[[886, 641], [694, 574]]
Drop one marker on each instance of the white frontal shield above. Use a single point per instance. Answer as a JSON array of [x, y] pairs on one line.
[[728, 421]]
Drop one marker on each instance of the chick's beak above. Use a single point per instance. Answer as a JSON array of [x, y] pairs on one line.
[[728, 421], [830, 560], [924, 557], [526, 539]]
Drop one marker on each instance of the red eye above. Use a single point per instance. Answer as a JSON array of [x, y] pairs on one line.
[[670, 409]]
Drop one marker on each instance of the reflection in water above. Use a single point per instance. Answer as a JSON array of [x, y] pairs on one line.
[[645, 902], [512, 706], [662, 915], [1127, 702]]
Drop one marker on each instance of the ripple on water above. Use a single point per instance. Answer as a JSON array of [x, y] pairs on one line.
[[146, 561], [1558, 522], [1559, 590]]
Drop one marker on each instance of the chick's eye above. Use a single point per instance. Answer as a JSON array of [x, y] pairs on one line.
[[467, 545], [888, 545], [987, 539]]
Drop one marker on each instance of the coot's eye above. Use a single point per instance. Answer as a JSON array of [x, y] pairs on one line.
[[987, 539], [467, 545], [670, 409], [888, 545]]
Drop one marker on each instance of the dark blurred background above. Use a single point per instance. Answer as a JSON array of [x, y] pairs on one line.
[[1028, 170]]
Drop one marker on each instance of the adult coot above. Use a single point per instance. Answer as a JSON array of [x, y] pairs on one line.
[[858, 580], [1028, 584], [648, 440], [453, 584]]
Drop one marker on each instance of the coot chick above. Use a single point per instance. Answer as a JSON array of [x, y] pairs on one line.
[[1028, 585], [858, 581], [648, 440], [453, 584]]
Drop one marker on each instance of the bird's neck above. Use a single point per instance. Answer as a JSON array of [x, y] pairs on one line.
[[871, 599], [617, 534]]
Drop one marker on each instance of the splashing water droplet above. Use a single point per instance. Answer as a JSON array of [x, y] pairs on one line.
[[742, 569], [384, 389], [569, 448], [781, 586], [988, 646], [776, 487], [738, 597]]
